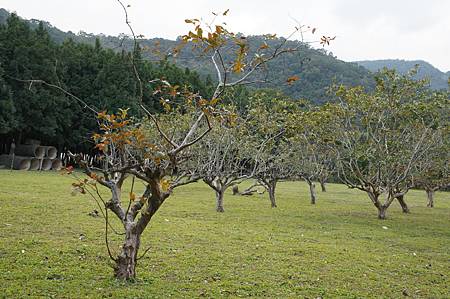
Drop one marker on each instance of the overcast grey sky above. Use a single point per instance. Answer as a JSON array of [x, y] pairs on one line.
[[381, 29]]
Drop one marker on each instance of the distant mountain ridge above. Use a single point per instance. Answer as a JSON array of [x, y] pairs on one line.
[[438, 79]]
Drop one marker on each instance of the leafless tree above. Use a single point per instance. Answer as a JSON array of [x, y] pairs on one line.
[[223, 157]]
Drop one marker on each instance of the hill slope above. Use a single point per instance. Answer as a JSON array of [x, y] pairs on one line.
[[438, 79]]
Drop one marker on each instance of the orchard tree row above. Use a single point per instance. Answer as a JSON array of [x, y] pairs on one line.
[[382, 142]]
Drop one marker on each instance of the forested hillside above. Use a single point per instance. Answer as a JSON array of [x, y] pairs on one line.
[[315, 68], [438, 79]]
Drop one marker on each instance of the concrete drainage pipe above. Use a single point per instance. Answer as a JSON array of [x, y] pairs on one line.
[[50, 152], [56, 164], [46, 164], [19, 163], [31, 150], [35, 163]]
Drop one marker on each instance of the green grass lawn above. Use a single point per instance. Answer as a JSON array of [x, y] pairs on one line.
[[337, 248]]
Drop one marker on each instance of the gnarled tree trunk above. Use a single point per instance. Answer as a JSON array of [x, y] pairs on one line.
[[271, 190], [219, 188], [125, 268], [322, 185], [235, 190], [374, 197], [402, 202], [126, 261], [219, 200], [430, 197], [312, 191], [382, 212]]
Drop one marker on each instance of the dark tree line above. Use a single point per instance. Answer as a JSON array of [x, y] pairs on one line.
[[103, 78]]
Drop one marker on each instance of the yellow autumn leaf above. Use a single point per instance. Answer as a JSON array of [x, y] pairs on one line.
[[164, 184], [199, 32], [132, 196], [238, 67], [214, 101], [219, 29], [101, 114], [123, 113]]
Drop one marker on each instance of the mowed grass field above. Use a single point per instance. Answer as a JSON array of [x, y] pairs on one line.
[[337, 248]]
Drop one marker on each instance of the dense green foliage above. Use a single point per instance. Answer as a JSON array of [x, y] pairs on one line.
[[334, 249], [101, 77]]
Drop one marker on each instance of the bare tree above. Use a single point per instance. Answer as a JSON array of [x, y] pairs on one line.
[[129, 152], [223, 156], [311, 164]]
